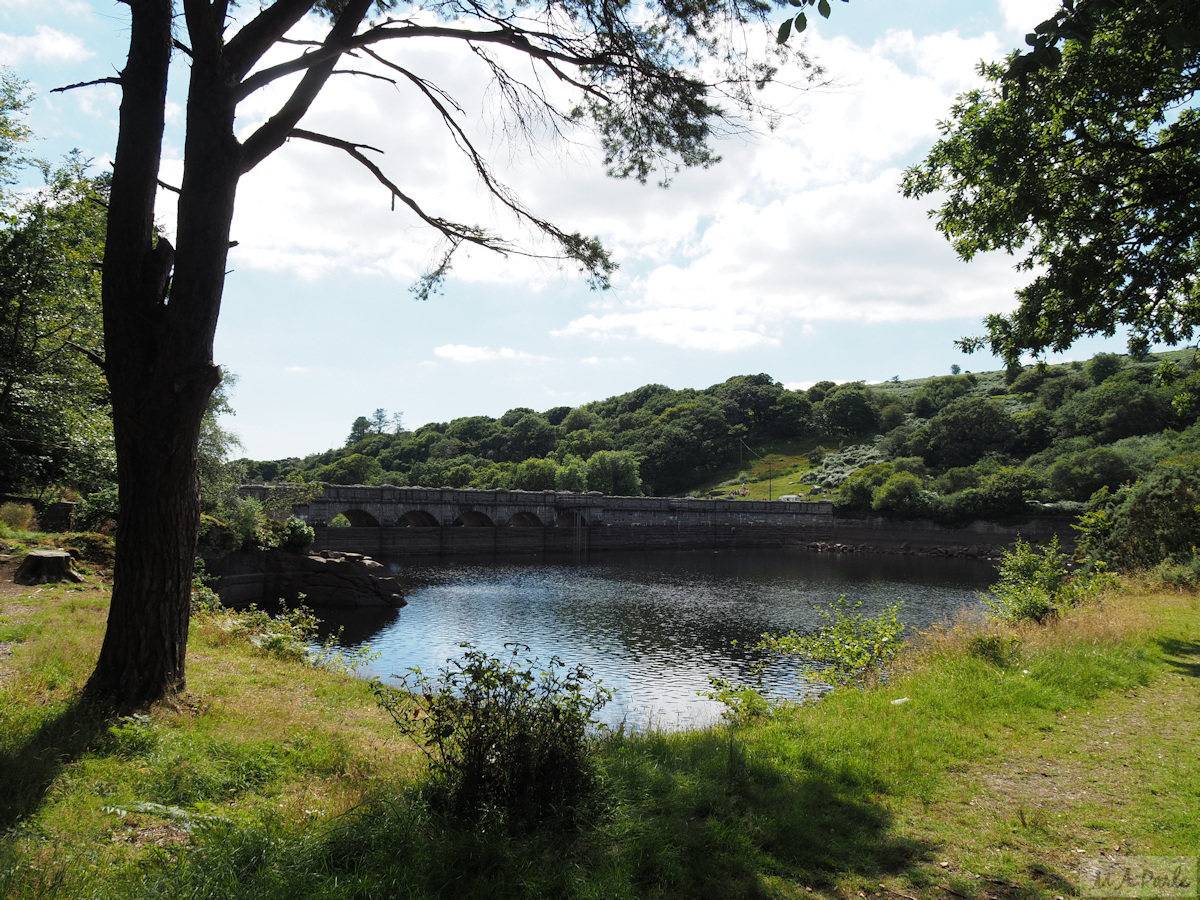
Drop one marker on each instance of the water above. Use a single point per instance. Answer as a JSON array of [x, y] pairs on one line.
[[653, 626]]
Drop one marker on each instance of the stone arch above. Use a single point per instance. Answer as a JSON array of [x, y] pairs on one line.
[[525, 519], [474, 519], [418, 518], [569, 518], [360, 518]]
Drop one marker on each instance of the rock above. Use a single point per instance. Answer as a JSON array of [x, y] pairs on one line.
[[326, 579], [46, 567]]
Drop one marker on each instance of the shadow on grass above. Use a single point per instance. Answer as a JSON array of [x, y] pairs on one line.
[[1182, 656], [687, 816], [28, 769]]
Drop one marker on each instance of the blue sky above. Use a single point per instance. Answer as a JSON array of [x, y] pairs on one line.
[[795, 256]]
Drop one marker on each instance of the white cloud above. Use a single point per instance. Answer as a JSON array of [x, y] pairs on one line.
[[65, 7], [46, 45], [801, 225], [1025, 15], [464, 353]]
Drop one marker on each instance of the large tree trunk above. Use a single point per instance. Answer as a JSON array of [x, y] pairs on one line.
[[158, 352]]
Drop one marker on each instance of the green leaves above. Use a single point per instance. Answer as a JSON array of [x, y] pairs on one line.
[[1083, 156], [800, 22]]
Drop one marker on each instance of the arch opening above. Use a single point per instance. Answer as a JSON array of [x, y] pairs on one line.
[[473, 519], [417, 518], [525, 520], [360, 518]]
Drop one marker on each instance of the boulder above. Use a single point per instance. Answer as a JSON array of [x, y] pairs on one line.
[[326, 579]]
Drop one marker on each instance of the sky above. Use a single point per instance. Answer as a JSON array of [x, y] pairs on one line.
[[796, 255]]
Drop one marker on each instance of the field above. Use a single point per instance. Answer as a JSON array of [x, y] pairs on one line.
[[1013, 758]]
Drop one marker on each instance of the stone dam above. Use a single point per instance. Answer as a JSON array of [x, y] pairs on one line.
[[401, 522]]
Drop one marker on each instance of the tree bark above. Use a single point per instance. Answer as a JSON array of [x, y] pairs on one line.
[[159, 359]]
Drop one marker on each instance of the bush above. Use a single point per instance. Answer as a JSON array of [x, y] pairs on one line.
[[98, 511], [298, 535], [995, 649], [857, 491], [902, 495], [500, 738], [18, 516], [847, 649], [1079, 475], [339, 521], [1035, 585], [1155, 521]]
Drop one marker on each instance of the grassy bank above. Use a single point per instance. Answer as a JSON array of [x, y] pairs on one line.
[[1007, 763]]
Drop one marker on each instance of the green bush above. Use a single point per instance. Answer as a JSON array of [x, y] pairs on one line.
[[902, 495], [1035, 585], [98, 510], [1155, 521], [995, 649], [339, 521], [848, 648], [298, 535], [500, 738]]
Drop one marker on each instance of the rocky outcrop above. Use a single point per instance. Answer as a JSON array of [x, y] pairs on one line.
[[328, 578], [950, 551]]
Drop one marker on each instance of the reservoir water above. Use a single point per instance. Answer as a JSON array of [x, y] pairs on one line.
[[653, 626]]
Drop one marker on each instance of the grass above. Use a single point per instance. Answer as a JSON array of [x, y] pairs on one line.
[[778, 469], [1011, 759]]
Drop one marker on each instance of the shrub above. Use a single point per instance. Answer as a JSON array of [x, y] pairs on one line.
[[500, 738], [1005, 491], [1035, 585], [902, 495], [857, 491], [339, 521], [1079, 475], [18, 516], [298, 535], [1155, 521], [848, 648], [98, 511]]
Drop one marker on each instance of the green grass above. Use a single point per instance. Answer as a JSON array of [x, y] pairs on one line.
[[271, 779]]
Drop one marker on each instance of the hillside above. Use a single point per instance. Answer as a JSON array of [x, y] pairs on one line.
[[954, 446]]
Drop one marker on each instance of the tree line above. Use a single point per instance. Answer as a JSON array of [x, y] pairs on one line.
[[655, 439]]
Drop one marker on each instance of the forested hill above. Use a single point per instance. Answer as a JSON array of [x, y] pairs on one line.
[[950, 446]]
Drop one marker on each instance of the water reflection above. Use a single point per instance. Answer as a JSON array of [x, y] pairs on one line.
[[654, 626]]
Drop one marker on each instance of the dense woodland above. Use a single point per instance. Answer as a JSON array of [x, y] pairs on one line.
[[951, 447]]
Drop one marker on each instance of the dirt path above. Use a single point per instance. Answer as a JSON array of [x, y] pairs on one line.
[[1112, 782]]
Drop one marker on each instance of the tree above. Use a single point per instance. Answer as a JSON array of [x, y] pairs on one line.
[[54, 418], [965, 431], [614, 472], [633, 74], [1084, 153], [849, 409]]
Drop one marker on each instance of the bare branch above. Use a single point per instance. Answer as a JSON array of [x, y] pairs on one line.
[[112, 79], [181, 46], [271, 135], [169, 187], [90, 355], [451, 230], [364, 74], [262, 32], [505, 36]]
